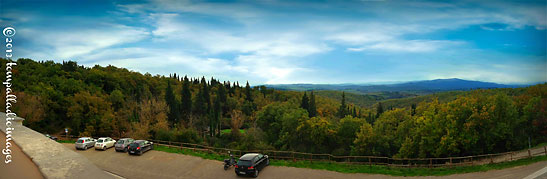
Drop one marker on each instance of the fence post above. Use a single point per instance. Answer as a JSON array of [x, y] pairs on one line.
[[293, 159], [430, 162], [369, 161], [311, 158], [491, 158], [450, 161], [545, 148], [471, 160], [511, 156], [529, 153]]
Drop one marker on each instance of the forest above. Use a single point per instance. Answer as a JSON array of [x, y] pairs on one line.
[[110, 101]]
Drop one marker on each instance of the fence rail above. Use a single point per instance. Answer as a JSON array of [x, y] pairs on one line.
[[363, 160]]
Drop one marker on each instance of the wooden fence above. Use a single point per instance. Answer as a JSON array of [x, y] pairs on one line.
[[367, 160], [364, 160]]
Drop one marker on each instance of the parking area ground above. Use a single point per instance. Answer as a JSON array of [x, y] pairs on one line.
[[157, 164]]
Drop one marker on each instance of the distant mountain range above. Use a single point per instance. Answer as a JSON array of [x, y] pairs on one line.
[[420, 87]]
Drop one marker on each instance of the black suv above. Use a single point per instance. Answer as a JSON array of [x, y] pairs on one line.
[[251, 163]]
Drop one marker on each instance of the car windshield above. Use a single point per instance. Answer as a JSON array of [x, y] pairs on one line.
[[100, 141], [244, 162], [120, 142], [80, 141]]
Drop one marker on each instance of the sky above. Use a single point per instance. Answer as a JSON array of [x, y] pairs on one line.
[[285, 42]]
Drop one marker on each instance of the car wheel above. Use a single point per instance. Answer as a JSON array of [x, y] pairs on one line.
[[255, 174]]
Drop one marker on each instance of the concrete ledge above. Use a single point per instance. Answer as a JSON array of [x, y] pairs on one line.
[[52, 158]]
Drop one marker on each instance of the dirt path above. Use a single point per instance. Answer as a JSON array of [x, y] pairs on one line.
[[21, 165], [157, 164]]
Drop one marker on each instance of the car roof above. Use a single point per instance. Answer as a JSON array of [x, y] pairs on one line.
[[84, 138], [125, 138], [140, 141], [248, 156], [104, 137]]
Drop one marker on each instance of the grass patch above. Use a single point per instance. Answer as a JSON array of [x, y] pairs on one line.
[[373, 169], [191, 152], [227, 131], [396, 171]]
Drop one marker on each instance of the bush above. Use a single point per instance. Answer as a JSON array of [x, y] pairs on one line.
[[187, 135]]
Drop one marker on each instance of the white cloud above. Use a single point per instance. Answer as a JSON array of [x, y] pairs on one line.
[[408, 46], [169, 27], [68, 43]]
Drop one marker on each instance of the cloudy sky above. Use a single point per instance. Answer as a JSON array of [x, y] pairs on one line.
[[273, 42]]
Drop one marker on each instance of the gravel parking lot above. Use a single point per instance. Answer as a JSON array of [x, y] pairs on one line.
[[157, 164]]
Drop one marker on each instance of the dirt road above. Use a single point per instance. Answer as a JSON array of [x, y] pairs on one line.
[[21, 165], [157, 164]]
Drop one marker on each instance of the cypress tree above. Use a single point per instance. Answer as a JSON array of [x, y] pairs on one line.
[[186, 99], [413, 109], [206, 95], [342, 111], [171, 103], [304, 104], [379, 110], [312, 111], [248, 94]]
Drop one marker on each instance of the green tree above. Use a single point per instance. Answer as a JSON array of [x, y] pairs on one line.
[[186, 100], [342, 111], [312, 110], [347, 131], [304, 104], [248, 93], [379, 110], [171, 103]]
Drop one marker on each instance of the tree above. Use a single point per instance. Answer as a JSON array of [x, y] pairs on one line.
[[342, 111], [347, 131], [186, 100], [171, 103], [312, 110], [379, 110], [117, 99], [364, 141], [152, 119], [248, 93], [305, 102], [413, 109], [236, 122]]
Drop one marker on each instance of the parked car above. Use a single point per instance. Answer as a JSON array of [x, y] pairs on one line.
[[104, 143], [85, 143], [122, 144], [251, 164], [51, 137], [139, 147]]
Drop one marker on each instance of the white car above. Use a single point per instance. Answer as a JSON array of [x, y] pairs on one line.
[[104, 143]]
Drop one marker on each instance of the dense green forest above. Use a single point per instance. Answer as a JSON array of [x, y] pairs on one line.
[[110, 101]]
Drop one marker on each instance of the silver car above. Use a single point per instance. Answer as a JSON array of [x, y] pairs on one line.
[[85, 143], [122, 144]]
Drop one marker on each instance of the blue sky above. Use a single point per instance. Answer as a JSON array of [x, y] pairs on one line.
[[280, 42]]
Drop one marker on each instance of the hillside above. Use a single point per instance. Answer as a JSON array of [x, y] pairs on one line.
[[415, 87], [112, 101]]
